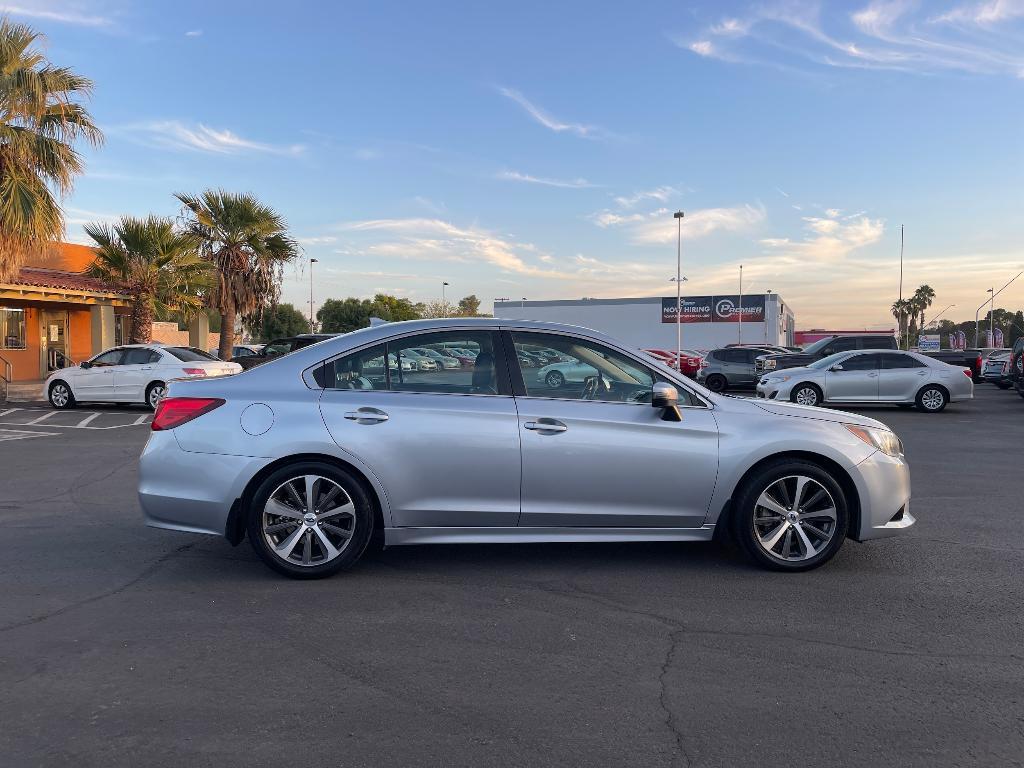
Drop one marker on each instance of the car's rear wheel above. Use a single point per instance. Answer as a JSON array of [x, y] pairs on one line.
[[555, 380], [61, 396], [1003, 384], [154, 393], [806, 394], [791, 515], [932, 399], [717, 383], [310, 520]]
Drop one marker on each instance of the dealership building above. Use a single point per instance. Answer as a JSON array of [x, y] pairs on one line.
[[649, 323]]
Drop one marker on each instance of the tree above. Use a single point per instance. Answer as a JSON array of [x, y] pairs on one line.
[[469, 306], [439, 308], [248, 244], [157, 263], [394, 309], [41, 119], [1016, 329], [901, 311], [344, 315], [278, 322], [920, 301]]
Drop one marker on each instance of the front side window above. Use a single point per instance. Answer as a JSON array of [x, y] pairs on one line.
[[842, 345], [592, 372], [110, 357], [12, 328], [861, 363]]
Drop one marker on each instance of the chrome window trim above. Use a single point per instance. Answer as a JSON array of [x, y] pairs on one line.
[[310, 382], [707, 405]]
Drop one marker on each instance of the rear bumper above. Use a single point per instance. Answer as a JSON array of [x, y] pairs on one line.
[[191, 492], [883, 485]]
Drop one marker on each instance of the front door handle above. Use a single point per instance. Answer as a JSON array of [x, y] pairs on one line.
[[367, 416], [545, 425]]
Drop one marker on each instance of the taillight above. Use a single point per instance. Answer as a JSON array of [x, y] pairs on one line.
[[980, 361], [194, 371], [967, 373], [174, 411]]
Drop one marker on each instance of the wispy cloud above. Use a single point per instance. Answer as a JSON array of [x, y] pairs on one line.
[[659, 226], [194, 33], [829, 238], [661, 194], [174, 134], [317, 240], [972, 37], [544, 181], [548, 120], [61, 13]]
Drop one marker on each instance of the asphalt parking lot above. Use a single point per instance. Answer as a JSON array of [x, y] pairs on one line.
[[123, 645]]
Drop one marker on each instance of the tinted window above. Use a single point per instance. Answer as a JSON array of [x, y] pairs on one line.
[[242, 352], [842, 345], [279, 347], [732, 355], [111, 357], [878, 342], [424, 371], [139, 356], [189, 354], [594, 372], [360, 370], [893, 362], [860, 363]]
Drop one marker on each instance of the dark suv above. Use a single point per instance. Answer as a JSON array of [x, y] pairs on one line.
[[823, 348], [1017, 366], [730, 367], [279, 347]]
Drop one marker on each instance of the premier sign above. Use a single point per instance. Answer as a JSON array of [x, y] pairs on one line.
[[714, 309]]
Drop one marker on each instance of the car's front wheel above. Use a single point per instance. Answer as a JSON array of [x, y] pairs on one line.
[[61, 395], [806, 394], [310, 520], [790, 515]]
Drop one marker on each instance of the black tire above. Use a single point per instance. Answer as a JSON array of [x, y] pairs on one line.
[[932, 399], [362, 520], [61, 396], [809, 393], [716, 382], [745, 507], [555, 380], [154, 388], [1004, 385]]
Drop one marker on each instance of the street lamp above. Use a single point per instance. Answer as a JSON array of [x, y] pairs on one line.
[[678, 216], [444, 304], [991, 298], [312, 321]]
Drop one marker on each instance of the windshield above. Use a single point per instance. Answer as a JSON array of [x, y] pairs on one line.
[[825, 362], [189, 354]]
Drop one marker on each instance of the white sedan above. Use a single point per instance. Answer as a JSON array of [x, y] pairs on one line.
[[134, 373], [882, 376]]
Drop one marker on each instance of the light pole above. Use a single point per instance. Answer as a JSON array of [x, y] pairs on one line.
[[678, 216], [739, 326], [522, 302], [992, 298], [444, 303], [312, 321]]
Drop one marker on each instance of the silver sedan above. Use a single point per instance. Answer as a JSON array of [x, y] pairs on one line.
[[308, 456], [900, 378]]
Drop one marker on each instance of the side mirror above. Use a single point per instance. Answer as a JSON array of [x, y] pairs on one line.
[[85, 364], [836, 367], [666, 397]]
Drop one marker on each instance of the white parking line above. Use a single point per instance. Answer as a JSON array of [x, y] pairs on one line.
[[85, 422], [17, 434], [9, 410], [44, 417], [141, 419]]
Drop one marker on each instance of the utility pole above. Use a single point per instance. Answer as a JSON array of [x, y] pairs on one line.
[[444, 304], [312, 317], [739, 326], [678, 216]]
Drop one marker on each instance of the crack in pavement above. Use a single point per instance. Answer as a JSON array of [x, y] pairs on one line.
[[670, 716], [147, 571]]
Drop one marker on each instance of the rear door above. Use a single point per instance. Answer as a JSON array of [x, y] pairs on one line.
[[596, 454], [900, 377], [856, 382], [444, 444], [134, 373]]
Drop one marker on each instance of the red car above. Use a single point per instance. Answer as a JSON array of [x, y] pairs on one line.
[[691, 360]]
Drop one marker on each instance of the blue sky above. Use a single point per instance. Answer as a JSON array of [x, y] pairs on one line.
[[539, 149]]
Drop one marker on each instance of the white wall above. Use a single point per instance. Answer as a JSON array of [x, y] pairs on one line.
[[638, 322]]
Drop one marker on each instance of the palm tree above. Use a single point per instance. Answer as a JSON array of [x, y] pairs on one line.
[[901, 311], [41, 118], [248, 245], [923, 296], [156, 262]]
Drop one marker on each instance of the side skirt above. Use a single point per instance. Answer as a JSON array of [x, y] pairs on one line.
[[400, 536]]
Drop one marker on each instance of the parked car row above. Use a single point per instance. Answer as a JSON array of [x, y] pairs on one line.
[[1005, 368]]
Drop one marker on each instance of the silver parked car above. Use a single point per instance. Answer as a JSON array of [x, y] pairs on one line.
[[901, 378], [312, 452]]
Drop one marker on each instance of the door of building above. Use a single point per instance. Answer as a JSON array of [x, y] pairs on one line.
[[53, 346]]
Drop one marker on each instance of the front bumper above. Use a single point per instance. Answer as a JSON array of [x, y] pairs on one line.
[[193, 492], [883, 486]]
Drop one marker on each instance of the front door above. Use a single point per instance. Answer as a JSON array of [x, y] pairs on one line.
[[97, 381], [856, 381], [444, 443], [596, 454], [53, 343]]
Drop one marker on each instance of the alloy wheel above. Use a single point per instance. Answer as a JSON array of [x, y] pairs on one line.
[[155, 395], [60, 395], [806, 396], [932, 399], [794, 518], [555, 380], [308, 520]]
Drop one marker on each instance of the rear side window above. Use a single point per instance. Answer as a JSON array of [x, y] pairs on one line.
[[140, 356], [189, 354], [841, 345], [732, 355], [364, 369], [878, 342], [895, 362]]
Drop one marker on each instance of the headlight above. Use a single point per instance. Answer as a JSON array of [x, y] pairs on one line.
[[882, 439], [775, 379], [769, 363]]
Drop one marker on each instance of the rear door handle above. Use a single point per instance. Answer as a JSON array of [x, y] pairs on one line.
[[545, 425], [367, 416]]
